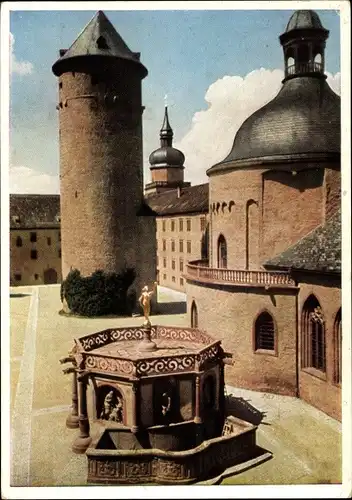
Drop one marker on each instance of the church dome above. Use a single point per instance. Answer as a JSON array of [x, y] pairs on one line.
[[167, 156], [303, 120]]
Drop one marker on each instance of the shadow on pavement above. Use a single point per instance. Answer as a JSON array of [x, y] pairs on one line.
[[241, 408], [172, 307]]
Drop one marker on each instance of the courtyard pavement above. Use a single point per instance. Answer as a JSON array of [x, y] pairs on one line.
[[305, 443]]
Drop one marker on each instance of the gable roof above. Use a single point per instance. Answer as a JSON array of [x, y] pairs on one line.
[[34, 210], [192, 199], [320, 250]]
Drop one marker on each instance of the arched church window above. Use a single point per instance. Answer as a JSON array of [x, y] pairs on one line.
[[264, 332], [222, 252], [338, 348], [194, 315], [313, 335]]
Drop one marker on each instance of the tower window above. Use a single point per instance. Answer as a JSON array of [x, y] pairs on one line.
[[48, 240], [264, 331], [33, 237], [222, 252], [313, 335], [60, 85], [101, 43], [34, 254], [18, 241], [181, 245], [337, 348]]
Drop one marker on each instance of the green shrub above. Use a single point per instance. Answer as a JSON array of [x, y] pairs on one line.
[[99, 294]]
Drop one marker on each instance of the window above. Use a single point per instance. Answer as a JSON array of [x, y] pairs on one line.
[[181, 265], [172, 225], [18, 277], [181, 245], [173, 265], [194, 315], [164, 262], [188, 224], [337, 348], [34, 254], [180, 224], [36, 276], [164, 225], [164, 277], [172, 245], [59, 236], [222, 252], [202, 224], [173, 279], [189, 249], [33, 237], [264, 332], [48, 240], [59, 253], [181, 281], [18, 241], [313, 335], [157, 261], [164, 245]]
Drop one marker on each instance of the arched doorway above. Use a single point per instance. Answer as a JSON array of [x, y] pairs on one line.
[[222, 252], [50, 276]]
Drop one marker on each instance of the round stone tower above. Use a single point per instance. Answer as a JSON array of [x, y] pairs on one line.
[[101, 173]]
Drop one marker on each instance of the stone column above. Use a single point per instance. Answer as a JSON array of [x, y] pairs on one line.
[[197, 417], [72, 421], [135, 402], [83, 440]]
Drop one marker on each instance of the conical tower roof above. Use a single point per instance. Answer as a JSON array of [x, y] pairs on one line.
[[98, 38]]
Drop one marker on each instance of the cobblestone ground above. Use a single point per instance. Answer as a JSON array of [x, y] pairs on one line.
[[306, 444]]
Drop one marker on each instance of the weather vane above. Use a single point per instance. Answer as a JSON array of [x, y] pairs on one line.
[[165, 100]]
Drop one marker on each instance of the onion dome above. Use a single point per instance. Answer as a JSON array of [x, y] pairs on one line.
[[166, 155], [98, 42], [303, 120]]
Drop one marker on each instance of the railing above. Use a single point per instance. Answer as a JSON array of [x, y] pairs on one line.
[[309, 67], [198, 270]]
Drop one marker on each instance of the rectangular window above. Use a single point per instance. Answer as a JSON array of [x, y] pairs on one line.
[[181, 281], [188, 224], [59, 235], [181, 265], [173, 265], [164, 225], [189, 248], [172, 225], [164, 245], [164, 263], [181, 246], [48, 240], [164, 277], [18, 277], [180, 224], [33, 237], [173, 279], [202, 224], [34, 254], [36, 276], [172, 245], [59, 253]]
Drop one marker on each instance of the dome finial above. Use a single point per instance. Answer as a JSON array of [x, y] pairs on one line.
[[166, 132]]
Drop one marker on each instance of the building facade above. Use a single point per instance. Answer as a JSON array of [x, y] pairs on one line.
[[271, 286], [35, 240]]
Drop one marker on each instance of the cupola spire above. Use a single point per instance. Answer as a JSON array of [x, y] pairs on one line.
[[166, 132], [304, 45]]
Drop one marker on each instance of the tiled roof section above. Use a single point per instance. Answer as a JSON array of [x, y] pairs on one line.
[[34, 210], [320, 250], [192, 199]]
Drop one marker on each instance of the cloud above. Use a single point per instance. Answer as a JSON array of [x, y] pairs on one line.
[[24, 180], [230, 101], [16, 66]]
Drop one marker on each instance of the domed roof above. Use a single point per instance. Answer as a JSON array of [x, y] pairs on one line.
[[304, 118], [166, 155], [304, 19]]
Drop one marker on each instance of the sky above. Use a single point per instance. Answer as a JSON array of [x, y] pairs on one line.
[[215, 67]]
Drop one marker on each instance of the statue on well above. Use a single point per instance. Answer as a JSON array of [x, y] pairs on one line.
[[145, 299], [112, 410]]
